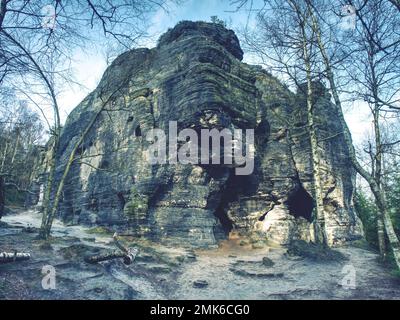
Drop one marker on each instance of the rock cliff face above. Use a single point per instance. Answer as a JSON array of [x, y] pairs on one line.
[[195, 77]]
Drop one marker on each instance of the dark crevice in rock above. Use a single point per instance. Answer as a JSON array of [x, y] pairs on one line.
[[121, 200], [235, 187], [223, 218], [300, 204], [104, 164], [138, 131], [218, 200]]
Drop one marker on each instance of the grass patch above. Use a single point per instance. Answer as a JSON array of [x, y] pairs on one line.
[[391, 264], [395, 273], [99, 230], [77, 251]]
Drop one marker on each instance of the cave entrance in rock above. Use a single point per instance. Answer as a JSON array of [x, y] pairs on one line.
[[223, 218], [301, 204]]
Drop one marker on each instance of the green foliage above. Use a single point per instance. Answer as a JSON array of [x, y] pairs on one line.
[[393, 198], [14, 197], [137, 205], [367, 211], [99, 230]]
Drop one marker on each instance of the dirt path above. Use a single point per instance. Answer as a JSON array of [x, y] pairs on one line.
[[229, 272], [240, 274]]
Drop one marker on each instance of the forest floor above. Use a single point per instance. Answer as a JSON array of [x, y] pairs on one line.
[[230, 271]]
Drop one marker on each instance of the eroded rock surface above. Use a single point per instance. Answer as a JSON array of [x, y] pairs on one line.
[[195, 77]]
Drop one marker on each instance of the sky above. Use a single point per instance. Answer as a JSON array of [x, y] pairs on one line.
[[89, 66]]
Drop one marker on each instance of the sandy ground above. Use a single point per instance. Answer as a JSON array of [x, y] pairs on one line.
[[159, 272]]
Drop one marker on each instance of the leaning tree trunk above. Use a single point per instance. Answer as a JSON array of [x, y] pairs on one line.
[[393, 239], [50, 213], [48, 219], [2, 196]]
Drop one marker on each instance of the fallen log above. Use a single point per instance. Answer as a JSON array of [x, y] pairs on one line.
[[127, 254], [105, 257], [7, 257], [128, 258]]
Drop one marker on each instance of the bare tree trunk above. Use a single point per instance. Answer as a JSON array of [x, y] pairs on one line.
[[47, 194], [3, 161], [319, 220], [380, 226], [50, 213], [393, 239], [15, 150], [3, 10], [378, 175]]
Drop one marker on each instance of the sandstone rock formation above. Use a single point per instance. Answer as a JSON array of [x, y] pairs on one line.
[[195, 77]]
